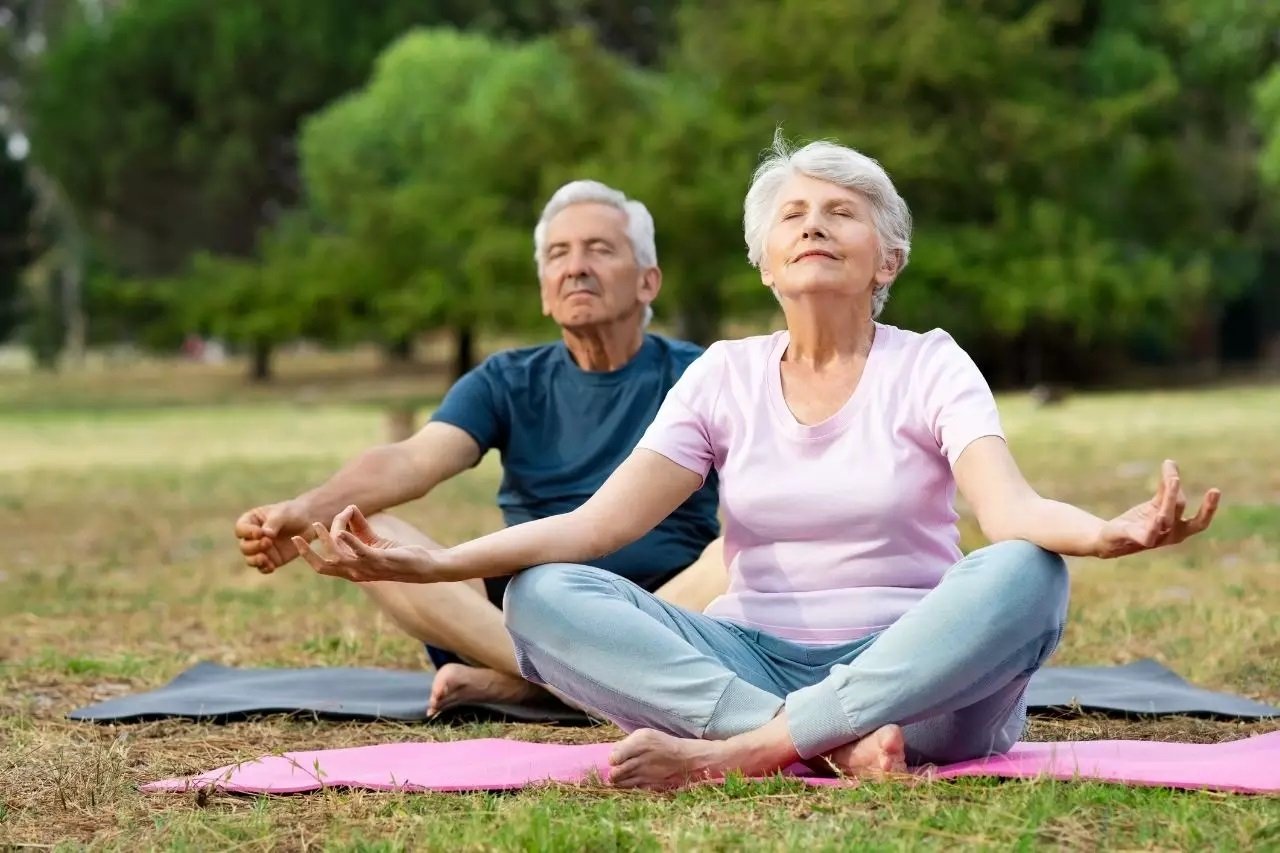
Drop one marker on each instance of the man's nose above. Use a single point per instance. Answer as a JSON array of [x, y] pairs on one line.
[[576, 265]]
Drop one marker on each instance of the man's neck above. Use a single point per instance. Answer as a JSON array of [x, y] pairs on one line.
[[606, 347]]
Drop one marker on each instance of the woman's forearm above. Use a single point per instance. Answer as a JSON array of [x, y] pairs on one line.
[[644, 490], [1053, 525], [567, 538]]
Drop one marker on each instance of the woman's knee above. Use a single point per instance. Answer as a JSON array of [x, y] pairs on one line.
[[1028, 575], [543, 594]]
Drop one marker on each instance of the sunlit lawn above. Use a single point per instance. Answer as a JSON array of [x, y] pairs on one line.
[[118, 570]]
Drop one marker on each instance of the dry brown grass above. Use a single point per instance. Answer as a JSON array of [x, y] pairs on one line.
[[119, 571]]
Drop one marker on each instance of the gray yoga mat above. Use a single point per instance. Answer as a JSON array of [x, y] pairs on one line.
[[1142, 687], [210, 691]]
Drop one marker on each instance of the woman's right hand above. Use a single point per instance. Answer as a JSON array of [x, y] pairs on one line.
[[357, 553]]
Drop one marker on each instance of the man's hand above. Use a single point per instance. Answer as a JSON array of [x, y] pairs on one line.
[[266, 534], [357, 553], [1157, 522]]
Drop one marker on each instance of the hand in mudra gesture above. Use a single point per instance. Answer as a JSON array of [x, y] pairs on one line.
[[356, 552], [1159, 521]]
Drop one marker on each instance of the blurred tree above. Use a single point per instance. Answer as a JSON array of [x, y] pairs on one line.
[[53, 312], [686, 157], [430, 178], [189, 145], [1036, 142], [15, 250]]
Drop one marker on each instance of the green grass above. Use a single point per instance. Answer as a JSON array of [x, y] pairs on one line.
[[119, 571]]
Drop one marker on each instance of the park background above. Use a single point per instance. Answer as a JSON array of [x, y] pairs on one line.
[[242, 240]]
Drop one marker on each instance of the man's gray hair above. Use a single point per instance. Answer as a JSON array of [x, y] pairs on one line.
[[837, 164], [639, 220], [640, 230]]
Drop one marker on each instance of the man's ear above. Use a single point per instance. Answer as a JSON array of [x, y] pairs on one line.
[[650, 285]]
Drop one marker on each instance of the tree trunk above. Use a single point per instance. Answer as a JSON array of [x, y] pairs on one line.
[[400, 423], [260, 362], [1203, 346], [700, 317], [76, 341], [464, 351], [400, 351]]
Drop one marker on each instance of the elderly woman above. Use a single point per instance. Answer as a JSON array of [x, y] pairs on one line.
[[853, 632]]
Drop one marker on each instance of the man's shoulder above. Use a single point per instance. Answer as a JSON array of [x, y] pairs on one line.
[[677, 351], [521, 360]]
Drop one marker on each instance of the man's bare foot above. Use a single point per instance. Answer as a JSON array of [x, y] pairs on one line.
[[650, 759], [880, 753], [458, 684]]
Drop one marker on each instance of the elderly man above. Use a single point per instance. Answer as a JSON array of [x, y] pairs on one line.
[[563, 416]]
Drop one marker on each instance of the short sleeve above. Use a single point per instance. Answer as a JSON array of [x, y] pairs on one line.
[[683, 429], [958, 401], [476, 405]]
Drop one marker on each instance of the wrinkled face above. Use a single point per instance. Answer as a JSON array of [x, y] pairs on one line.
[[589, 272], [822, 238]]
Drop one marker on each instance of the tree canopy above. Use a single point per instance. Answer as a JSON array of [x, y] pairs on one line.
[[1088, 180]]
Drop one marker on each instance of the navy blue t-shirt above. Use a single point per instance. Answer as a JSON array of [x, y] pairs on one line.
[[562, 431]]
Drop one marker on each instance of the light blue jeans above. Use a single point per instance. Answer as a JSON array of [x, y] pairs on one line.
[[952, 671]]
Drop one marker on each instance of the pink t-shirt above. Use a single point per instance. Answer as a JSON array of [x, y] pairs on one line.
[[832, 531]]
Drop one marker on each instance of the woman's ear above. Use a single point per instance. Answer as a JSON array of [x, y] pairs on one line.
[[889, 266], [766, 274]]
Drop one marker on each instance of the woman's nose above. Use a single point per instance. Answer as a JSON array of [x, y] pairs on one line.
[[814, 229]]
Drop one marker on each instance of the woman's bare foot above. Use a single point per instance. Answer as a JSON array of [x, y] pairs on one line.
[[457, 684], [880, 753], [650, 759]]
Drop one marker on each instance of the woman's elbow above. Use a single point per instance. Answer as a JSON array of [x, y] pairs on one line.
[[1001, 525], [595, 534]]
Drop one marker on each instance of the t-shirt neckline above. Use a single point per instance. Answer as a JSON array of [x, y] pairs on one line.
[[842, 416], [648, 347]]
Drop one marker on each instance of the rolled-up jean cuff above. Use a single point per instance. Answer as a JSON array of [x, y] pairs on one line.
[[742, 707], [817, 721]]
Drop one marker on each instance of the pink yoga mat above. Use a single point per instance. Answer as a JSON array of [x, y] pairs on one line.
[[1251, 765]]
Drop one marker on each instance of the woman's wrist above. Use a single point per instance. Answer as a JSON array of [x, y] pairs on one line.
[[431, 563]]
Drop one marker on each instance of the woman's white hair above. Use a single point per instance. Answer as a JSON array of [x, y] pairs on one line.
[[640, 230], [837, 164]]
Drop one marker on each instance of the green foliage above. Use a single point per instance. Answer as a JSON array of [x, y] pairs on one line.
[[686, 156], [1269, 116], [188, 145], [1085, 178], [1019, 134], [430, 178]]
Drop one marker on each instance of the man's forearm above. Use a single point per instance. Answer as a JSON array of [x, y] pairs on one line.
[[376, 480], [1053, 525]]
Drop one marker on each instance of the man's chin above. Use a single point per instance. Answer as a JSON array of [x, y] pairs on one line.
[[574, 321]]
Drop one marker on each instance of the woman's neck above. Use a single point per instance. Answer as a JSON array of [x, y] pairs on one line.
[[825, 331]]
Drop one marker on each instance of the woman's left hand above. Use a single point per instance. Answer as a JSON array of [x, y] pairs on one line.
[[357, 553], [1156, 522]]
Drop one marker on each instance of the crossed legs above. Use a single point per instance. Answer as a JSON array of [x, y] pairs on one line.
[[943, 683], [459, 617]]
